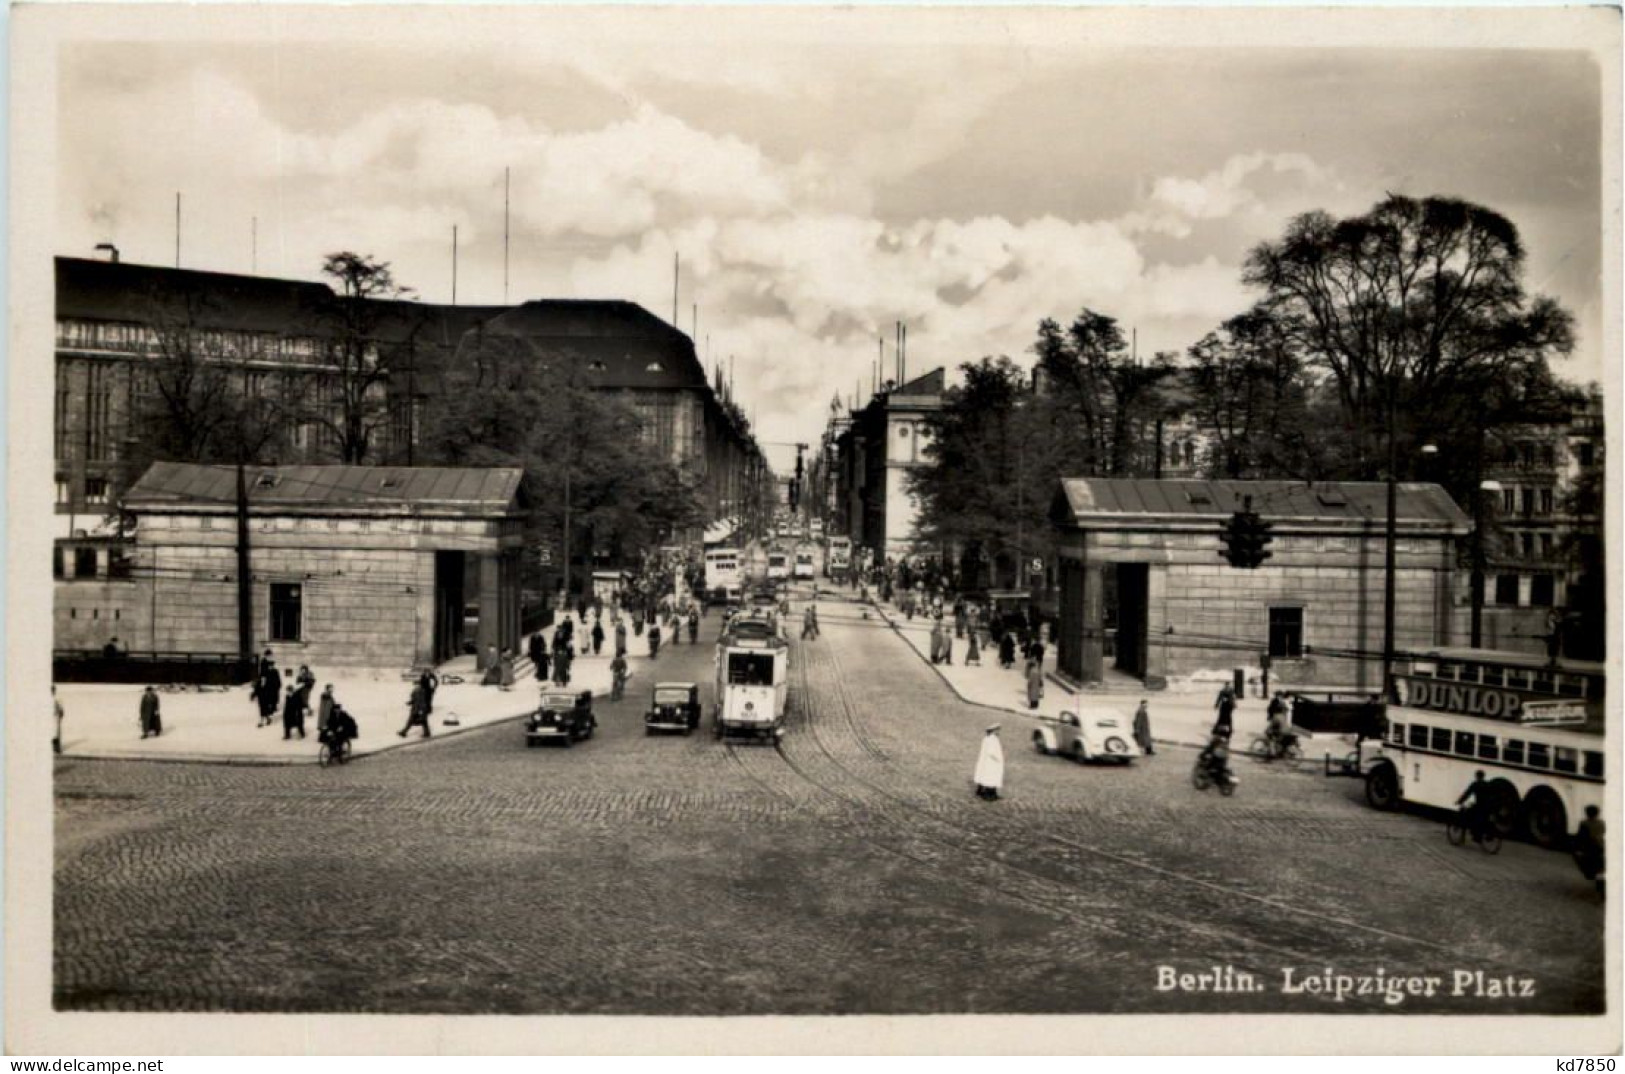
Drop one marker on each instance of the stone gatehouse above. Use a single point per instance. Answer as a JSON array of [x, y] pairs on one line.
[[1145, 589], [370, 566]]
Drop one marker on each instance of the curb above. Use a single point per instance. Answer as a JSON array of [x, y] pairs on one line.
[[1000, 708]]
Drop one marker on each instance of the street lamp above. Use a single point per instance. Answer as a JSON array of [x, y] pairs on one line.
[[1488, 487]]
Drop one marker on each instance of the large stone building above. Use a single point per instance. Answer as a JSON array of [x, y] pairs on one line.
[[114, 320], [1144, 587], [371, 566], [875, 452], [1543, 504]]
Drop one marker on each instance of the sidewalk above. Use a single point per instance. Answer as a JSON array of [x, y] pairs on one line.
[[220, 725], [1180, 719]]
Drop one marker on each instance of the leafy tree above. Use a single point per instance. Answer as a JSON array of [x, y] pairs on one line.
[[1251, 394], [590, 480], [1099, 400], [987, 482], [1411, 301]]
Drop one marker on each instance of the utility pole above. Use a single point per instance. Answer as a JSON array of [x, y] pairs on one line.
[[245, 580], [1389, 548]]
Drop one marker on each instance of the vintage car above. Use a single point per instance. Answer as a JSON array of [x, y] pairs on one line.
[[1093, 735], [561, 716], [673, 706]]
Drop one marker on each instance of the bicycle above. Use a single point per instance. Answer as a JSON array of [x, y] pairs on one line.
[[1265, 749], [1458, 830], [329, 754]]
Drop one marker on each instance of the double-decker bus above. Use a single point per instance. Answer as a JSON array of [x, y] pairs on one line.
[[753, 672], [1534, 727], [838, 557], [724, 577]]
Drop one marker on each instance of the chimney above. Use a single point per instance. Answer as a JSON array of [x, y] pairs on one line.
[[112, 251]]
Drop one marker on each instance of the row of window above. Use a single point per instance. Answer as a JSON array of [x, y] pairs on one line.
[[1510, 751], [1533, 501], [86, 563], [1538, 680], [1542, 590]]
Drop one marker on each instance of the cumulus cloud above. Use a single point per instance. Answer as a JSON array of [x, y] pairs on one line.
[[795, 272]]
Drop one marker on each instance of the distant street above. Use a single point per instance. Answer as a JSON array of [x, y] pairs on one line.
[[849, 870]]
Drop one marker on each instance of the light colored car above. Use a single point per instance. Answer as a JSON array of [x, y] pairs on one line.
[[1093, 735]]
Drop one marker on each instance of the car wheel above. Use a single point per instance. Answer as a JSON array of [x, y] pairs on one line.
[[1078, 753], [1038, 744]]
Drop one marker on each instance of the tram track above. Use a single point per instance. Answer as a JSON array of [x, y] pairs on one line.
[[886, 796]]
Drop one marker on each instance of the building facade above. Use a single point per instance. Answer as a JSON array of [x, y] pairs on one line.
[[1144, 589], [356, 566], [874, 454], [116, 321]]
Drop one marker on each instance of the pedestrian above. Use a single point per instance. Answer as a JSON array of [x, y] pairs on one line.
[[293, 713], [536, 649], [620, 638], [989, 775], [654, 640], [324, 711], [430, 683], [270, 690], [973, 652], [693, 624], [617, 677], [597, 637], [306, 681], [1224, 726], [959, 618], [151, 723], [1007, 650], [1035, 683], [561, 665], [417, 713], [56, 743], [505, 667], [493, 667], [1142, 729]]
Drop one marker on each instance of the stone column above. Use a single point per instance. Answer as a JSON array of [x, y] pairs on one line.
[[489, 632], [1156, 627], [1094, 613]]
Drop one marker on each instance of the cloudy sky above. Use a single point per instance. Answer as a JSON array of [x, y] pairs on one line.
[[817, 186]]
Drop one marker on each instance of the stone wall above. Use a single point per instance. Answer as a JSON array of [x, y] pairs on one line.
[[88, 613], [367, 585], [1205, 615]]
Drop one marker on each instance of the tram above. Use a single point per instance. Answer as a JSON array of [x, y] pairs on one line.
[[1534, 727], [753, 672]]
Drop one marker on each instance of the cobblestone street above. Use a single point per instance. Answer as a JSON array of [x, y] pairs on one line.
[[849, 870]]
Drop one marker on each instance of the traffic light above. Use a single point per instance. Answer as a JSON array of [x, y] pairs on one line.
[[1246, 538]]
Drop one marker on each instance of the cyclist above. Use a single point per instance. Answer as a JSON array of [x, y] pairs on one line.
[[1473, 803], [341, 729], [1275, 731], [1215, 757]]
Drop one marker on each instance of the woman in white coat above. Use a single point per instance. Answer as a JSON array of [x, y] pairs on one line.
[[989, 777]]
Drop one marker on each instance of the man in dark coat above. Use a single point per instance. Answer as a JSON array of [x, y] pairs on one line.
[[270, 691], [293, 713], [150, 722], [597, 637], [654, 640], [693, 624], [1224, 726], [561, 665], [417, 713], [1007, 649], [536, 648], [620, 637]]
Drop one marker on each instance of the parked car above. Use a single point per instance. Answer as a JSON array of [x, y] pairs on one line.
[[673, 706], [561, 716], [1089, 736]]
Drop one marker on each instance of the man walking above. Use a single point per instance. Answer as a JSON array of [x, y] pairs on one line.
[[417, 713], [151, 724], [270, 690], [536, 649], [597, 637], [1142, 729], [620, 637], [293, 714], [324, 711], [1224, 726], [1035, 683]]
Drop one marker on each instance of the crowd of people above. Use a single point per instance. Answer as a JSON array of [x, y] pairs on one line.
[[269, 693]]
